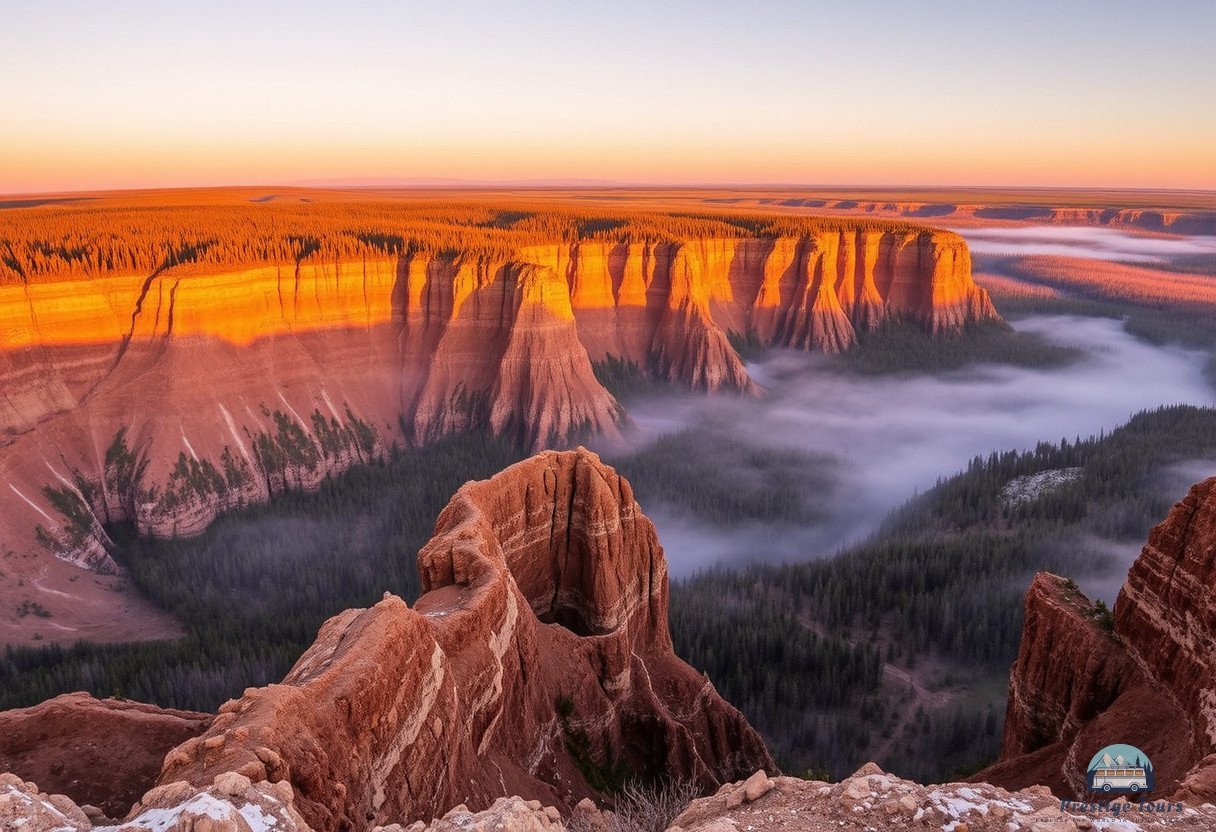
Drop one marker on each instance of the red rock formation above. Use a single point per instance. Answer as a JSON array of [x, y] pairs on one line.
[[101, 752], [538, 657], [228, 388], [1150, 681]]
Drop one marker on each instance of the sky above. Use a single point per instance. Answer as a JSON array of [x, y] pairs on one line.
[[1036, 92]]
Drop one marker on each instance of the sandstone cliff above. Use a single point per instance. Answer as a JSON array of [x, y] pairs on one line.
[[165, 399], [1149, 680], [538, 662]]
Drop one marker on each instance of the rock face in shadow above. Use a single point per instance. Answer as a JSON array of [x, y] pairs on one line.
[[1146, 677], [164, 400], [537, 663], [102, 752]]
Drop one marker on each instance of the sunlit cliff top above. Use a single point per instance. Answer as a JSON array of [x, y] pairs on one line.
[[60, 237]]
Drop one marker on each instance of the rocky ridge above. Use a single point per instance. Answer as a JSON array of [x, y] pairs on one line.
[[1145, 675], [104, 752], [537, 662], [868, 801]]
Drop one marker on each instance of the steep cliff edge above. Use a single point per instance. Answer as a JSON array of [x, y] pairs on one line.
[[165, 399], [538, 662], [1145, 677]]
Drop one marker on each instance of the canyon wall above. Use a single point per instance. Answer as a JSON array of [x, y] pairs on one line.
[[163, 400], [1146, 676]]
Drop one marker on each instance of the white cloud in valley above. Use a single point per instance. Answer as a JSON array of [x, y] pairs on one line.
[[895, 436]]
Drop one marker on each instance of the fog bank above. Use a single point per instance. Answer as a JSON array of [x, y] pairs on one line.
[[1095, 243], [895, 436], [1172, 482]]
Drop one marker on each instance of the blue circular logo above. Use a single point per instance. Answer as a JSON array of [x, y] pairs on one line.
[[1120, 769]]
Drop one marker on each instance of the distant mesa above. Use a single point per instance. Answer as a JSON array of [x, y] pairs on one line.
[[163, 397], [1042, 207]]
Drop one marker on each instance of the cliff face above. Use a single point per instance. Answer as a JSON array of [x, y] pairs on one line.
[[537, 661], [1149, 681], [165, 399]]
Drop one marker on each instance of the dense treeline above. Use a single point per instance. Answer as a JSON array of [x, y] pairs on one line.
[[623, 378], [940, 585], [726, 481], [904, 347], [786, 679], [199, 230], [255, 587]]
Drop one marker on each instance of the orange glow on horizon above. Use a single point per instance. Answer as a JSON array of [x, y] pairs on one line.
[[44, 168], [881, 94]]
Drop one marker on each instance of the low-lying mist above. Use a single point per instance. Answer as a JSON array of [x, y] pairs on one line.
[[1171, 482], [876, 442], [1096, 243]]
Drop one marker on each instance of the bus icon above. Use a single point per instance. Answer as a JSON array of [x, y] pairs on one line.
[[1120, 768]]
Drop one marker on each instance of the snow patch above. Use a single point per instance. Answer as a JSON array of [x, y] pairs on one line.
[[159, 820], [966, 799], [1115, 825], [235, 435], [32, 504], [1022, 490], [258, 820], [186, 442]]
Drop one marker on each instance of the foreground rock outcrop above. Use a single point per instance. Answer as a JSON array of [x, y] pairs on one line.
[[868, 801], [1146, 676], [871, 800], [104, 752], [538, 662], [165, 399]]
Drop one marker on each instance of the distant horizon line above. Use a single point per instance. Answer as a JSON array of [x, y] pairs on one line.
[[589, 184]]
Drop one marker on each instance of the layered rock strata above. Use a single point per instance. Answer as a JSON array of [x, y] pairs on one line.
[[1146, 676], [163, 400], [538, 662]]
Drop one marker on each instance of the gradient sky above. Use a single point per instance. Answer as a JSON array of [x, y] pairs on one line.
[[1034, 92]]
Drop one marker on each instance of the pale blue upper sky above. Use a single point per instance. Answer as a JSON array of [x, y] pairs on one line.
[[935, 92]]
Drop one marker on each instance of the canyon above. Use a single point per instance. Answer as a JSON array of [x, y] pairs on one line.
[[164, 399], [539, 659]]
